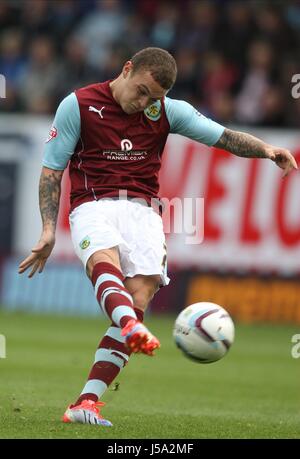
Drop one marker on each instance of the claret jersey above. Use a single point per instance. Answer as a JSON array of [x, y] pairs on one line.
[[109, 151]]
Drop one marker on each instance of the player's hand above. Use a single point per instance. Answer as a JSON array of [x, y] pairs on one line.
[[39, 256], [283, 158]]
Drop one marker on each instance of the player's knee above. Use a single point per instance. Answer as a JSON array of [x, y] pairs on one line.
[[140, 300], [143, 296], [103, 256]]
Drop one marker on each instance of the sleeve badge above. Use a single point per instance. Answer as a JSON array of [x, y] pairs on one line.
[[52, 134]]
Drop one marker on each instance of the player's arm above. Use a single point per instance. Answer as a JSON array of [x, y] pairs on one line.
[[184, 119], [49, 195], [59, 148], [248, 146]]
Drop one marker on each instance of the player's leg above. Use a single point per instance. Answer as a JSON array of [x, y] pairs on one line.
[[112, 354], [105, 266], [113, 351], [142, 289], [96, 239], [117, 303], [104, 270]]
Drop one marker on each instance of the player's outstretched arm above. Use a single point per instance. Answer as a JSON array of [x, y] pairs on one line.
[[49, 195], [248, 146]]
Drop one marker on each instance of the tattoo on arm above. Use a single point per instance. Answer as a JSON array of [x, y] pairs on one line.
[[49, 195], [242, 144]]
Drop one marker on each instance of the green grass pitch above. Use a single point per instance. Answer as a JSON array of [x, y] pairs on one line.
[[252, 393]]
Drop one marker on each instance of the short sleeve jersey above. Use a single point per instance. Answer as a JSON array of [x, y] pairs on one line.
[[108, 150]]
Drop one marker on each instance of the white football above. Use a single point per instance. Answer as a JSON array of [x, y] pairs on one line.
[[204, 332]]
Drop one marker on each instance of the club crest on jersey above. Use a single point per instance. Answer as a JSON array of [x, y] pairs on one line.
[[52, 134], [85, 243], [154, 111]]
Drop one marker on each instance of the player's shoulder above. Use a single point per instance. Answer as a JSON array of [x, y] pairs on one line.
[[89, 87], [94, 92], [178, 110], [92, 88], [68, 113], [177, 105], [68, 103]]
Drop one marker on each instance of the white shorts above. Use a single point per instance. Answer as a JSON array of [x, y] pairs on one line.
[[136, 229]]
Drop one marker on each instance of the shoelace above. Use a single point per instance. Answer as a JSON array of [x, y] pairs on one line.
[[129, 326], [95, 407]]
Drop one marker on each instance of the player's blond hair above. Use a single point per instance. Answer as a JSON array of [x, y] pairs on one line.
[[160, 63]]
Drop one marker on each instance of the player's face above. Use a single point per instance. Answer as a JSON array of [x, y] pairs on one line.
[[140, 91]]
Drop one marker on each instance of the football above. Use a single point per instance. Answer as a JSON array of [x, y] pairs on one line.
[[204, 332]]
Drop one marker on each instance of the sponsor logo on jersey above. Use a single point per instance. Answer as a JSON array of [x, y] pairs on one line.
[[52, 134], [130, 156], [154, 111], [126, 153], [93, 109], [85, 243], [126, 145]]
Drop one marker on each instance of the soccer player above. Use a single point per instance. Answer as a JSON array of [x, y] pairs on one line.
[[112, 135]]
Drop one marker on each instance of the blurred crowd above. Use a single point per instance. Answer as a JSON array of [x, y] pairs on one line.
[[235, 58]]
